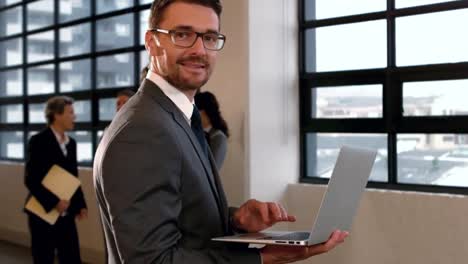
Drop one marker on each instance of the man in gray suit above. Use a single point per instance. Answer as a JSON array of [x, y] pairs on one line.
[[160, 197]]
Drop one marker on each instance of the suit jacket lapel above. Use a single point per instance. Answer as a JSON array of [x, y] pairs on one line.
[[201, 155], [55, 143], [221, 194], [152, 89]]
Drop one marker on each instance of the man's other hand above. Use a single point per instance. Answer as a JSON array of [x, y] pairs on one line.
[[288, 254]]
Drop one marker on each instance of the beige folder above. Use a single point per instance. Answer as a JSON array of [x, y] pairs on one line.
[[61, 183]]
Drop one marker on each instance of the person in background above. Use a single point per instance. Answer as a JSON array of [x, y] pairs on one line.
[[159, 192], [53, 146], [214, 125], [122, 97]]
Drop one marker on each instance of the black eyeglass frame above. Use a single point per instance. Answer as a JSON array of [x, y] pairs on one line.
[[171, 32]]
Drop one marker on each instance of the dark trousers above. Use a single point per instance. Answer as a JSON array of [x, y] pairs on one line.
[[46, 239]]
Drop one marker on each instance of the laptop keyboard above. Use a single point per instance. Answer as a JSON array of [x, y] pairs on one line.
[[290, 236]]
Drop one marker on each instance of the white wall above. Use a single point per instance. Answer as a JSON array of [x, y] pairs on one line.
[[392, 227], [272, 135], [230, 85]]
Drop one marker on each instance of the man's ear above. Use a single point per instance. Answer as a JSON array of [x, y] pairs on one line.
[[152, 44]]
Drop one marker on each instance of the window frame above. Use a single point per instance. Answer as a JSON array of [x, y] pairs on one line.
[[93, 94], [391, 78]]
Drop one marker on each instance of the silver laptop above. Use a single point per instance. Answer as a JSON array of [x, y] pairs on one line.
[[339, 204]]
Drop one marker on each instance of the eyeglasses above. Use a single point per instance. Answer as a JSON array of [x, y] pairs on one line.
[[187, 38]]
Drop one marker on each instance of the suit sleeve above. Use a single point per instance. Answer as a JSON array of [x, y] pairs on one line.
[[36, 169], [141, 180], [218, 145], [78, 199]]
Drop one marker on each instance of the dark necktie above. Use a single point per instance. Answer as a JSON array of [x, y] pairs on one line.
[[195, 123]]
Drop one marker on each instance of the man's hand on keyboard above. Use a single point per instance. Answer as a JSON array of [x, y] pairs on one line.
[[255, 216]]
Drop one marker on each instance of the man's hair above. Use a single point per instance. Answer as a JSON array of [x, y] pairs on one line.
[[56, 105], [158, 7], [125, 92]]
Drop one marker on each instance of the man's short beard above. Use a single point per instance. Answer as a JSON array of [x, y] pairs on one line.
[[183, 86]]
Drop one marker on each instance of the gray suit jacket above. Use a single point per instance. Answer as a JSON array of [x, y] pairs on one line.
[[160, 199]]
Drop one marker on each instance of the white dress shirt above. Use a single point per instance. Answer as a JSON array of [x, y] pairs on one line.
[[176, 96], [62, 142]]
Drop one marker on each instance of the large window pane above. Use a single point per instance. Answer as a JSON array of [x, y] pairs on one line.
[[72, 9], [433, 159], [406, 3], [11, 145], [144, 59], [41, 46], [323, 149], [36, 113], [435, 98], [144, 15], [11, 52], [99, 135], [11, 21], [32, 133], [107, 109], [347, 47], [11, 83], [432, 38], [115, 71], [75, 40], [11, 113], [320, 9], [144, 62], [360, 101], [104, 6], [8, 2], [40, 14], [41, 79], [75, 75], [84, 148], [115, 32], [82, 111], [146, 2]]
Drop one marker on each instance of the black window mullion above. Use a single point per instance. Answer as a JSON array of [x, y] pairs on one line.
[[447, 71], [25, 86], [391, 103], [94, 96], [431, 8], [344, 20], [136, 24], [56, 47]]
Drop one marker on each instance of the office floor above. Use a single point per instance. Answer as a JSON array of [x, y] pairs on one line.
[[14, 254]]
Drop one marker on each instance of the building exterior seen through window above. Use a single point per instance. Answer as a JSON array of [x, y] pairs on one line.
[[391, 76], [85, 49]]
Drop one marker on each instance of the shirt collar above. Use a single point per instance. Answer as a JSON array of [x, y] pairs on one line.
[[59, 138], [176, 96]]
